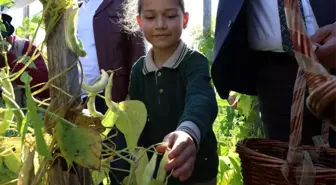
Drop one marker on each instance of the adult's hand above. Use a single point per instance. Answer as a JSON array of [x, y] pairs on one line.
[[326, 52]]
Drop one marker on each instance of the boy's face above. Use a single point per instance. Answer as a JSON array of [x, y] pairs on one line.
[[162, 22]]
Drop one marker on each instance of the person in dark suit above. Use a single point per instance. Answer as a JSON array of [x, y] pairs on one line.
[[249, 58]]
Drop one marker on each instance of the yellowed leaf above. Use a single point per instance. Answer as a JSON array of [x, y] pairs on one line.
[[79, 144], [141, 163], [130, 120]]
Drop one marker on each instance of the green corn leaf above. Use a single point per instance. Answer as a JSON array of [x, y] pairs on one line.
[[37, 122]]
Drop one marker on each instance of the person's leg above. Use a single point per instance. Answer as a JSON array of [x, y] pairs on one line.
[[275, 83]]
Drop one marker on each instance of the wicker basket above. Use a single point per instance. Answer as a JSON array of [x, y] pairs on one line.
[[270, 162], [264, 162]]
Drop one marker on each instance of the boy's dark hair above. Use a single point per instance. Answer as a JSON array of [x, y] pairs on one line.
[[180, 3]]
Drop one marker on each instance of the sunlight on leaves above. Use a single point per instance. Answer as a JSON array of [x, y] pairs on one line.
[[5, 4], [147, 176], [245, 104], [130, 121], [142, 161]]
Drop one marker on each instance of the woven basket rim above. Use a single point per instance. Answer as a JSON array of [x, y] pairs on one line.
[[243, 150]]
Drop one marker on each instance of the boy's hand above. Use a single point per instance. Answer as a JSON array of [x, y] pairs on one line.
[[182, 154]]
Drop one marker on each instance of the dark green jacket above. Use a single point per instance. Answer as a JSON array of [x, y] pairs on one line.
[[178, 92]]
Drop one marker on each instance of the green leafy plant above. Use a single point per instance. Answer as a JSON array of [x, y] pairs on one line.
[[79, 135], [238, 119], [5, 4], [29, 26], [233, 124]]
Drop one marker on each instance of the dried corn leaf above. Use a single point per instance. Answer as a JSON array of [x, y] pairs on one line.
[[79, 144]]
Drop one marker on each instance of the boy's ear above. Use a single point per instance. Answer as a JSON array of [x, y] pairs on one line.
[[185, 20], [139, 21]]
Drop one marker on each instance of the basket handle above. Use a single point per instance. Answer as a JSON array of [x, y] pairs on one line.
[[296, 121], [310, 72], [317, 78]]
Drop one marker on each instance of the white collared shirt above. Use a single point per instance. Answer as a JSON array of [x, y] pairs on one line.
[[86, 34], [264, 24]]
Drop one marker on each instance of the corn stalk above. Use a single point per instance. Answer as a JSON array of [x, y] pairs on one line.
[[69, 148], [61, 60]]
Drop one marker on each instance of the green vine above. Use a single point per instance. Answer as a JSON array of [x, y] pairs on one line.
[[79, 142]]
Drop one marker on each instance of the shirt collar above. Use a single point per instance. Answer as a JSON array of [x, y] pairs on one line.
[[173, 61]]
